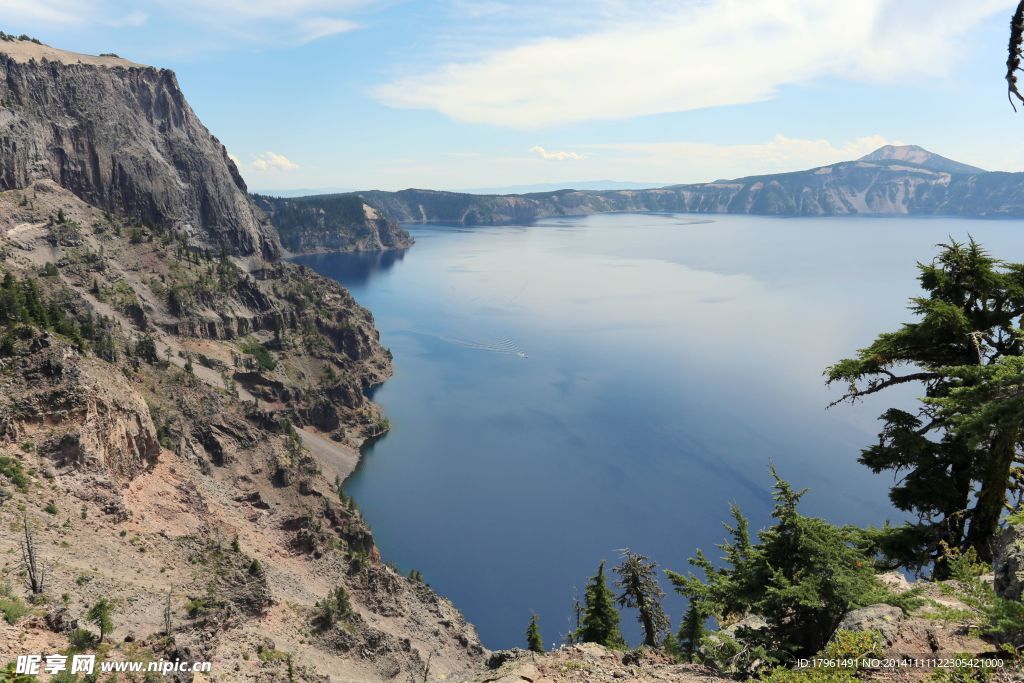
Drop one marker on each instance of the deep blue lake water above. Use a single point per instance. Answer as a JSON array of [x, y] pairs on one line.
[[577, 386]]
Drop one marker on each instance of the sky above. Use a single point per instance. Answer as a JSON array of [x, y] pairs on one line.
[[460, 94]]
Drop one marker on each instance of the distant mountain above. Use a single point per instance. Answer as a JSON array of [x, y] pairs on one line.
[[890, 181], [301, 191], [921, 157], [549, 187]]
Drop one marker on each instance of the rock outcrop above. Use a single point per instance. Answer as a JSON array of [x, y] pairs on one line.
[[75, 413], [885, 619], [122, 137], [332, 222]]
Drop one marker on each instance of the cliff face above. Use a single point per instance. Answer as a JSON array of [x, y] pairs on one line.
[[122, 137], [332, 222], [890, 181], [183, 404]]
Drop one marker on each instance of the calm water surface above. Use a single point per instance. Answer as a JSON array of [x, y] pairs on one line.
[[570, 388]]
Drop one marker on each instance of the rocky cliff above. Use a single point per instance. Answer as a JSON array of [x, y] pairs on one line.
[[121, 137], [890, 181], [179, 407], [332, 222]]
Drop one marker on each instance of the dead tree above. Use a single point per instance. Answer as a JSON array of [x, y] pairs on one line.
[[30, 554], [167, 615]]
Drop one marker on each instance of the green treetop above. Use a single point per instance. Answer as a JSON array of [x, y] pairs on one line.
[[99, 614], [691, 631], [534, 642], [802, 576], [953, 471], [600, 618]]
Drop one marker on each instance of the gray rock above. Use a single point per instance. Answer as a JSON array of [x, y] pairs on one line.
[[753, 622], [1008, 563], [122, 137], [883, 618]]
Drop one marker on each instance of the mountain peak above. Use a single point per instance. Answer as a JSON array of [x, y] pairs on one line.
[[919, 156]]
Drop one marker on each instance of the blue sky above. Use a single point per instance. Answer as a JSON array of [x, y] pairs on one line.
[[456, 94]]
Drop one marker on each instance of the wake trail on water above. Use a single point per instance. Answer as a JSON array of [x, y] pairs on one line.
[[504, 345]]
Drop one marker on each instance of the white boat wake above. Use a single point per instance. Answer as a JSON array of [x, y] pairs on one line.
[[504, 345]]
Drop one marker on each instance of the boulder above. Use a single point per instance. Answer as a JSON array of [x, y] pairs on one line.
[[1008, 562], [883, 618]]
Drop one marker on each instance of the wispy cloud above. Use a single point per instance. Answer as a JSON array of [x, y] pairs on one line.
[[555, 156], [230, 22], [316, 28], [55, 12], [704, 54], [688, 161], [272, 161]]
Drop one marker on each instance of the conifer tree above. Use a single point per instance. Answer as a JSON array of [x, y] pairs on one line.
[[534, 642], [600, 618], [954, 479], [639, 588], [99, 614], [802, 576], [691, 631]]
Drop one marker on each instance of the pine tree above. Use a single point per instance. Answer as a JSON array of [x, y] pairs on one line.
[[954, 480], [691, 631], [99, 614], [600, 618], [639, 588], [803, 576], [534, 642]]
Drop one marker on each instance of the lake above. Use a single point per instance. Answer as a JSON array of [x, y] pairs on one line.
[[576, 386]]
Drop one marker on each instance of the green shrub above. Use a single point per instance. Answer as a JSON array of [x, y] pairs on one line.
[[334, 608], [850, 645], [262, 355], [803, 576], [820, 675], [13, 608], [196, 607], [81, 639], [11, 468]]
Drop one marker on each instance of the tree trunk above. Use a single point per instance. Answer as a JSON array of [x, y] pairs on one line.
[[992, 496], [650, 633]]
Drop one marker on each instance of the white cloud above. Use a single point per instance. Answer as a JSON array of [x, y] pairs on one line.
[[687, 161], [55, 12], [316, 28], [704, 54], [272, 161], [224, 23], [555, 156], [238, 162]]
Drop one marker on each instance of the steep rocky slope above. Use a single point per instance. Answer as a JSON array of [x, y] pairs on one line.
[[178, 406], [890, 181], [332, 222], [121, 137]]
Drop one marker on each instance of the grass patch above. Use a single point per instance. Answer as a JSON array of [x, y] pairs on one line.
[[11, 606]]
